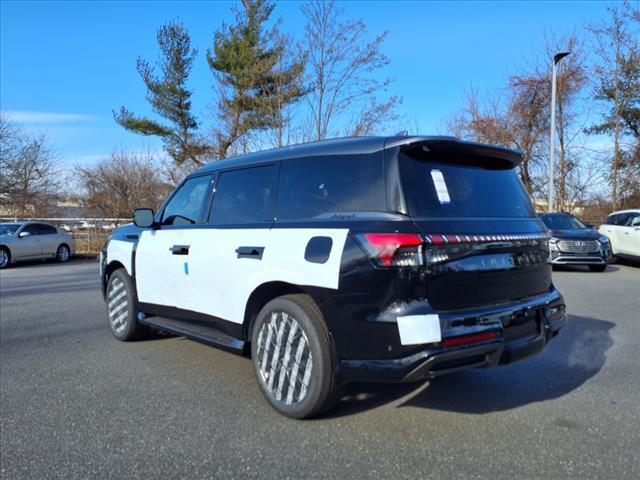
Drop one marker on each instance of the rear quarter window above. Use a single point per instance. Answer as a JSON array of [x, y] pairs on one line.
[[316, 186], [439, 189], [46, 229]]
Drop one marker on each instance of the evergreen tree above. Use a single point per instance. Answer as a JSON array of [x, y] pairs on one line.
[[169, 97], [255, 84]]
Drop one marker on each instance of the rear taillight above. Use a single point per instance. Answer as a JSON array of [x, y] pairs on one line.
[[393, 249]]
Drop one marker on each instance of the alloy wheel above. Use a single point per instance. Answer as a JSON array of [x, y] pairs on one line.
[[118, 306], [63, 253], [284, 358], [4, 258]]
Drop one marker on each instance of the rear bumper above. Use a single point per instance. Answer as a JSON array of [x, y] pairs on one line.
[[546, 312]]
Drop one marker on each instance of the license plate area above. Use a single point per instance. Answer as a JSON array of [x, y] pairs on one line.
[[522, 324]]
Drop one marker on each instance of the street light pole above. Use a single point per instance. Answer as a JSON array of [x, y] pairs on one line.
[[556, 58]]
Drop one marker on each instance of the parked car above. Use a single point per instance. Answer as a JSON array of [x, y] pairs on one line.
[[363, 259], [623, 229], [33, 240], [574, 243]]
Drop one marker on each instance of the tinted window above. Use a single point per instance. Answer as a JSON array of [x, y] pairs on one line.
[[244, 196], [187, 204], [633, 220], [46, 229], [434, 189], [311, 187]]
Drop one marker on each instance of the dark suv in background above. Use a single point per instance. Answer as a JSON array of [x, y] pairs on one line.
[[390, 259], [574, 243]]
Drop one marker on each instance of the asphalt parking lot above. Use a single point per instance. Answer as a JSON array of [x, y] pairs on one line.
[[75, 403]]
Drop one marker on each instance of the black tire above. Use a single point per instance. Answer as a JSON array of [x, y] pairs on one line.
[[63, 254], [121, 308], [302, 388], [597, 268], [5, 257]]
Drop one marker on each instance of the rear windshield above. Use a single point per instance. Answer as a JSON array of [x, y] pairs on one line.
[[435, 189]]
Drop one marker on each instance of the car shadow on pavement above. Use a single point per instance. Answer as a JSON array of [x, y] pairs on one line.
[[570, 360], [630, 262]]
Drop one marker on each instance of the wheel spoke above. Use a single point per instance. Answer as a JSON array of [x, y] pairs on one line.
[[284, 358], [118, 306]]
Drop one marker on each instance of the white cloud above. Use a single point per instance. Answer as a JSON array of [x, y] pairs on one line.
[[23, 116]]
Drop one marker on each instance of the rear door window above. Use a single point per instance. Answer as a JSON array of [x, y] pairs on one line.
[[187, 205], [619, 219], [244, 196], [633, 220], [438, 189], [317, 186]]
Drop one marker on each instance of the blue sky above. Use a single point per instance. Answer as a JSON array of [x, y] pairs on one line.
[[64, 66]]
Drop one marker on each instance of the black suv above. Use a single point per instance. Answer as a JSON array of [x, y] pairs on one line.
[[389, 259], [574, 243]]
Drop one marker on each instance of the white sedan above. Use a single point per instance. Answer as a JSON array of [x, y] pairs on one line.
[[623, 230], [33, 240]]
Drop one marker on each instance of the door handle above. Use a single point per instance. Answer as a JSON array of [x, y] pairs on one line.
[[179, 250], [250, 252]]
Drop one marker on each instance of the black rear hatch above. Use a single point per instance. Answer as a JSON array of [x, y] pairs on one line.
[[485, 246]]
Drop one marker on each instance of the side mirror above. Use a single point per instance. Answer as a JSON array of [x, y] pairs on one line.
[[143, 217], [24, 234], [592, 227]]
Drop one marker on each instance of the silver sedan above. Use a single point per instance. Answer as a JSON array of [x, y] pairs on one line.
[[33, 240]]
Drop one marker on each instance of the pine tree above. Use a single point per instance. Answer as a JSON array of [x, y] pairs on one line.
[[169, 97], [255, 84]]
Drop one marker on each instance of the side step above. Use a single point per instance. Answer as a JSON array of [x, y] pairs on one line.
[[197, 331]]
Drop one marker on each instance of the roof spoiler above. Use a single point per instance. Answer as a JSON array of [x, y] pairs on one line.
[[459, 151]]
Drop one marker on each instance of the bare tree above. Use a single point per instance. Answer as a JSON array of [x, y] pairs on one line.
[[342, 61], [514, 117], [618, 86], [517, 116], [121, 182], [29, 171], [286, 87]]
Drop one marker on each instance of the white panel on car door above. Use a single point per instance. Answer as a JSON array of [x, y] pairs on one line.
[[161, 276], [221, 283]]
